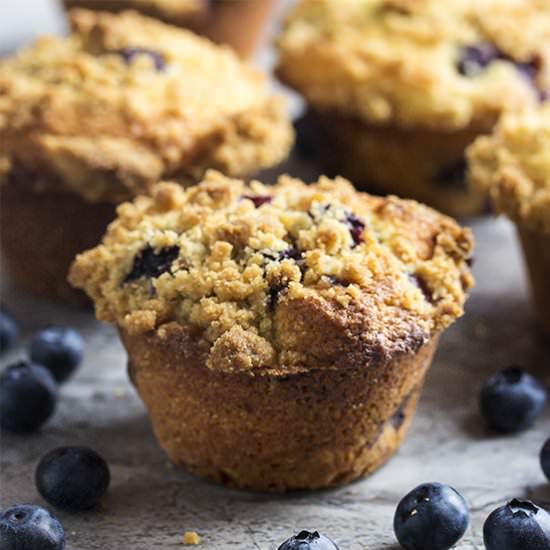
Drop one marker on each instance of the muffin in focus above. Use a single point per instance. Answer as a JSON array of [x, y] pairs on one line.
[[237, 23], [279, 336], [512, 166], [98, 117], [396, 90]]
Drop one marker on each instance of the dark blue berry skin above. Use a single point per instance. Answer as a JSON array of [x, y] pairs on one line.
[[305, 540], [129, 54], [152, 263], [72, 478], [59, 349], [511, 400], [519, 525], [27, 527], [431, 517], [545, 459], [8, 331], [28, 396]]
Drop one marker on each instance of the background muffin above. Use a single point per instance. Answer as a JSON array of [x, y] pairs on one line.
[[234, 22], [398, 89], [512, 166], [326, 301], [94, 119]]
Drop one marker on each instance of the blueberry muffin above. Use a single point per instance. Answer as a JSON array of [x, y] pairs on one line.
[[512, 166], [237, 23], [279, 336], [98, 117], [397, 89]]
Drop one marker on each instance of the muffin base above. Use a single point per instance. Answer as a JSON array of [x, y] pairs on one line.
[[271, 432], [536, 251], [236, 23], [42, 232], [421, 164]]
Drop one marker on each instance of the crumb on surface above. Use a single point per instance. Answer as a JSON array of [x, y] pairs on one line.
[[191, 538]]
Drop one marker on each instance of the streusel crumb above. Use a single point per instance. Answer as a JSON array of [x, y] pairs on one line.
[[253, 269]]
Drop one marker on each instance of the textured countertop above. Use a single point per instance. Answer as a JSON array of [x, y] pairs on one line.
[[151, 504]]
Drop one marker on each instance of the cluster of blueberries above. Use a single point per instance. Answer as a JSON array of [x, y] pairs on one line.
[[433, 516]]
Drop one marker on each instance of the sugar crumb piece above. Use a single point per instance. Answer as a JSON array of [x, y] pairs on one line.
[[191, 537]]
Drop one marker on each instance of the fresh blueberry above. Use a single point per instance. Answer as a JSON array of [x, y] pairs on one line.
[[28, 396], [59, 349], [28, 527], [305, 540], [431, 517], [8, 331], [519, 525], [511, 400], [545, 459], [152, 263], [72, 478]]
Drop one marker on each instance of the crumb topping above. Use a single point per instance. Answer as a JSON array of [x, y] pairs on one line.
[[278, 278], [428, 63], [126, 100], [512, 166]]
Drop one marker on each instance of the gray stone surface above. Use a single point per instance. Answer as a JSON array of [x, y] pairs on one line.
[[150, 504]]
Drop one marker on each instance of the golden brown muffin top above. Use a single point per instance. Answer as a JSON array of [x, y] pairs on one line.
[[126, 100], [280, 278], [443, 64], [512, 166]]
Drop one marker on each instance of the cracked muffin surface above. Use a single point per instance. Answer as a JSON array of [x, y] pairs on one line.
[[280, 278], [125, 101], [418, 63], [512, 166]]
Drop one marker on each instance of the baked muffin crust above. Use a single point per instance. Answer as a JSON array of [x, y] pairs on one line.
[[280, 279], [418, 63], [512, 166], [125, 101]]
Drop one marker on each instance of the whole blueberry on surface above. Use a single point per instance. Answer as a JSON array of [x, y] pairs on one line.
[[28, 396], [306, 540], [431, 517], [511, 400], [545, 459], [28, 527], [72, 478], [8, 331], [59, 349], [519, 525]]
